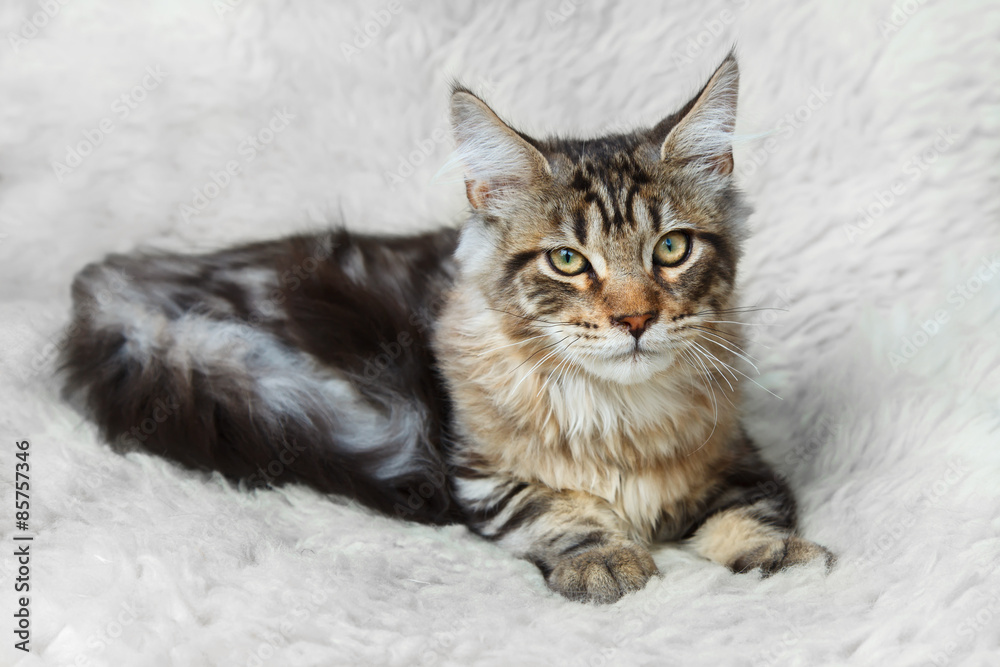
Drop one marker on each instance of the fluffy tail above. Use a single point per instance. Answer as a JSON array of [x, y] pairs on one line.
[[304, 360]]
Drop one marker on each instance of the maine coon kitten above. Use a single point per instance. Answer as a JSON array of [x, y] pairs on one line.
[[562, 377]]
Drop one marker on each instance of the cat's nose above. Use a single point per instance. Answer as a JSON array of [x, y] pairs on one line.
[[636, 323]]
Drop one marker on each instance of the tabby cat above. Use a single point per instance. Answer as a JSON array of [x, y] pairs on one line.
[[561, 376]]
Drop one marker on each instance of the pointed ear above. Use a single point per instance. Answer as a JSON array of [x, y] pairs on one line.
[[701, 134], [499, 163]]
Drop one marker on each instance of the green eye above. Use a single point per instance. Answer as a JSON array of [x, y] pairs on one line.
[[568, 262], [672, 249]]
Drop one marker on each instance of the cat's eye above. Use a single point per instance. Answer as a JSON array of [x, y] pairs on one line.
[[567, 261], [672, 249]]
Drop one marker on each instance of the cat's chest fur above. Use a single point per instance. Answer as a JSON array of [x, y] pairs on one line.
[[649, 449]]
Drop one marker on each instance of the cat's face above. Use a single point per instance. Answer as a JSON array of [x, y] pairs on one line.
[[616, 253]]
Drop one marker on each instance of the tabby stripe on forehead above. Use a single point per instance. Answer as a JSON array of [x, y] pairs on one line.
[[580, 226], [629, 202], [646, 212], [638, 174], [614, 188], [618, 222], [654, 214], [607, 200], [591, 197]]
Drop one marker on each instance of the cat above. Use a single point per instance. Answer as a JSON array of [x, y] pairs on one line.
[[560, 375]]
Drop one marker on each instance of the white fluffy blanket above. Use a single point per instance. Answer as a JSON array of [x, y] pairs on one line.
[[869, 146]]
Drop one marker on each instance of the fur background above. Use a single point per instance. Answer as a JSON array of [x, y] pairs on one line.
[[892, 110]]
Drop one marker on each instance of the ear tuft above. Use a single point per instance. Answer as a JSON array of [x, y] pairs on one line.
[[703, 137], [499, 163]]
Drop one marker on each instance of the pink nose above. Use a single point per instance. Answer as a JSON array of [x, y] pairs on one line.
[[636, 323]]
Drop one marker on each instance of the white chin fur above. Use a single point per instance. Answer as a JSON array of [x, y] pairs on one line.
[[628, 370]]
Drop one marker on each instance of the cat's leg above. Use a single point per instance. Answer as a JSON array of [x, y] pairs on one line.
[[751, 522], [577, 541]]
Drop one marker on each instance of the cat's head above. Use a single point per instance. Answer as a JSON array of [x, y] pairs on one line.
[[612, 249]]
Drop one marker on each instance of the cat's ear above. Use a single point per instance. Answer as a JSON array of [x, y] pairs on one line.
[[701, 134], [499, 163]]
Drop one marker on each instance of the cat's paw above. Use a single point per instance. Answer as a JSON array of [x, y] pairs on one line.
[[778, 554], [603, 574]]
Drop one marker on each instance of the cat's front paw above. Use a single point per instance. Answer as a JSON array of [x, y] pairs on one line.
[[778, 554], [603, 574]]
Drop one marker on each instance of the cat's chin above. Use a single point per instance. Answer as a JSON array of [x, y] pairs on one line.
[[629, 369]]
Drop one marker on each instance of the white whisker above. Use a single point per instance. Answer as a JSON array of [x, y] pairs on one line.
[[552, 374], [715, 406], [745, 324], [750, 378], [521, 342], [540, 362], [744, 356], [712, 359]]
